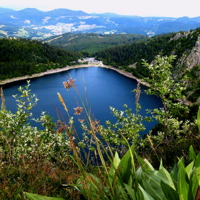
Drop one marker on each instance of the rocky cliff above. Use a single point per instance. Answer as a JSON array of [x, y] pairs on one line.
[[194, 57]]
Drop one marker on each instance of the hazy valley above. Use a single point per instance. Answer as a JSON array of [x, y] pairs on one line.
[[36, 24]]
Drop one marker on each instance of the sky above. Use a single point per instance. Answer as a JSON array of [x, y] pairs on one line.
[[144, 8]]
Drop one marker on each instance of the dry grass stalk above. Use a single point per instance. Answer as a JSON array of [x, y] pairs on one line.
[[61, 100], [137, 96], [2, 98], [152, 146]]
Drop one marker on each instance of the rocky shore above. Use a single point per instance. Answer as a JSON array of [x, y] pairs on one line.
[[53, 71], [100, 64]]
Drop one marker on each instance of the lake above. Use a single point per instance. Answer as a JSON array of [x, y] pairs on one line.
[[104, 88]]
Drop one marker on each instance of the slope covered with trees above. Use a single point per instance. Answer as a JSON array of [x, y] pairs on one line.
[[92, 42], [184, 45], [20, 57], [158, 45]]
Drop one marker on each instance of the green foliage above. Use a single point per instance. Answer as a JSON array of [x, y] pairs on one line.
[[198, 119], [39, 197], [133, 53], [123, 182], [163, 45], [30, 159], [19, 57], [170, 91], [193, 88], [18, 138], [129, 125], [92, 43]]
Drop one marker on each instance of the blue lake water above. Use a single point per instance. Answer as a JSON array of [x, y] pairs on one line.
[[105, 88]]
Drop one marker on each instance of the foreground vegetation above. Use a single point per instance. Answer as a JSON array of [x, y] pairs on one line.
[[54, 161]]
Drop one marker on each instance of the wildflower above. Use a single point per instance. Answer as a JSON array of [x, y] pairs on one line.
[[62, 128], [36, 139], [81, 120], [59, 122], [69, 84], [78, 110], [95, 122]]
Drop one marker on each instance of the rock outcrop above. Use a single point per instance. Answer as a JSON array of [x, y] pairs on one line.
[[180, 35], [193, 58]]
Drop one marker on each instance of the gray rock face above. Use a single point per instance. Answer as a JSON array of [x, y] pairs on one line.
[[133, 66], [194, 57], [180, 35]]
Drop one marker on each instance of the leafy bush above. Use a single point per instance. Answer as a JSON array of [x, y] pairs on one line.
[[30, 159]]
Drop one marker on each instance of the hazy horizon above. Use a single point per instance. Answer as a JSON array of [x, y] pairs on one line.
[[143, 8], [91, 13]]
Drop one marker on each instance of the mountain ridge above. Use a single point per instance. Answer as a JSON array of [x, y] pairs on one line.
[[43, 24]]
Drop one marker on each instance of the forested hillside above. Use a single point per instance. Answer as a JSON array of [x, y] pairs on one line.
[[162, 44], [20, 57], [92, 42], [132, 53], [184, 45]]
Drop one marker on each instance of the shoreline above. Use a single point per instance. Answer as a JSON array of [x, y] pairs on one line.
[[67, 68]]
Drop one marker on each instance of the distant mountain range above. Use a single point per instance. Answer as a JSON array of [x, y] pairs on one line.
[[36, 24]]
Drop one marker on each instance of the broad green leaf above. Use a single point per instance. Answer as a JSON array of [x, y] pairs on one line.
[[151, 183], [169, 192], [174, 175], [121, 193], [91, 187], [139, 173], [192, 154], [183, 182], [94, 182], [116, 160], [198, 119], [189, 169], [165, 175], [197, 161], [115, 165], [145, 195], [125, 166], [39, 197], [198, 175], [144, 164], [194, 183], [130, 192]]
